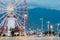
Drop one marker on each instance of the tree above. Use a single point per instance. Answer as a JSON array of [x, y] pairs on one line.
[[50, 32]]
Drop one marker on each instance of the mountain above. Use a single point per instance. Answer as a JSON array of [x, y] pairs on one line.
[[35, 14]]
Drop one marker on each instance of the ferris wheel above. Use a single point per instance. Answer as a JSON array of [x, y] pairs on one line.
[[17, 8]]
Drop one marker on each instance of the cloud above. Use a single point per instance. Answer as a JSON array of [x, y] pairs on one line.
[[52, 4]]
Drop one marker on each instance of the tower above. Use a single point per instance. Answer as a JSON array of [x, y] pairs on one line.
[[11, 20]]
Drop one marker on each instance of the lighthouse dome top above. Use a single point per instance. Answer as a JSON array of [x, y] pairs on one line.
[[10, 8]]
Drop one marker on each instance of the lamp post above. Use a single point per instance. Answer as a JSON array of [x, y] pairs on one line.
[[58, 24], [25, 16], [51, 26], [48, 25], [42, 25]]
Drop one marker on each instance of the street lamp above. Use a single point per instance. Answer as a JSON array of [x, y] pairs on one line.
[[48, 25], [42, 25], [58, 24], [51, 26], [25, 16]]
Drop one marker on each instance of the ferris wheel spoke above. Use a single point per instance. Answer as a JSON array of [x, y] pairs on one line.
[[5, 23], [17, 23], [19, 15], [21, 11], [16, 1], [19, 4], [23, 3], [19, 20], [2, 12], [2, 9], [4, 20], [3, 16], [4, 1], [13, 2], [2, 4], [20, 7], [22, 22]]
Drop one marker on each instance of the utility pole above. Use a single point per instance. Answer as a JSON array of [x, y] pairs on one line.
[[58, 24], [25, 16], [51, 26], [48, 25], [42, 25]]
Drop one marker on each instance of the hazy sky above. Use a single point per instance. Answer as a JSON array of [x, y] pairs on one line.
[[52, 4]]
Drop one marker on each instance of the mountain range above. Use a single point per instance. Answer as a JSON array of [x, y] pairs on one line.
[[35, 14]]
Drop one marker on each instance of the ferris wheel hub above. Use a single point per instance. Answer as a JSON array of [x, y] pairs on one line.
[[10, 8]]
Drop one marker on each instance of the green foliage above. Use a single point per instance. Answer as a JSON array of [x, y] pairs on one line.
[[49, 32]]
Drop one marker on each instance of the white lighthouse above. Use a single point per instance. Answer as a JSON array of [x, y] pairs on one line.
[[10, 24], [11, 20]]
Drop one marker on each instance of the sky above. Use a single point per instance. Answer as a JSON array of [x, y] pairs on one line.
[[51, 4]]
